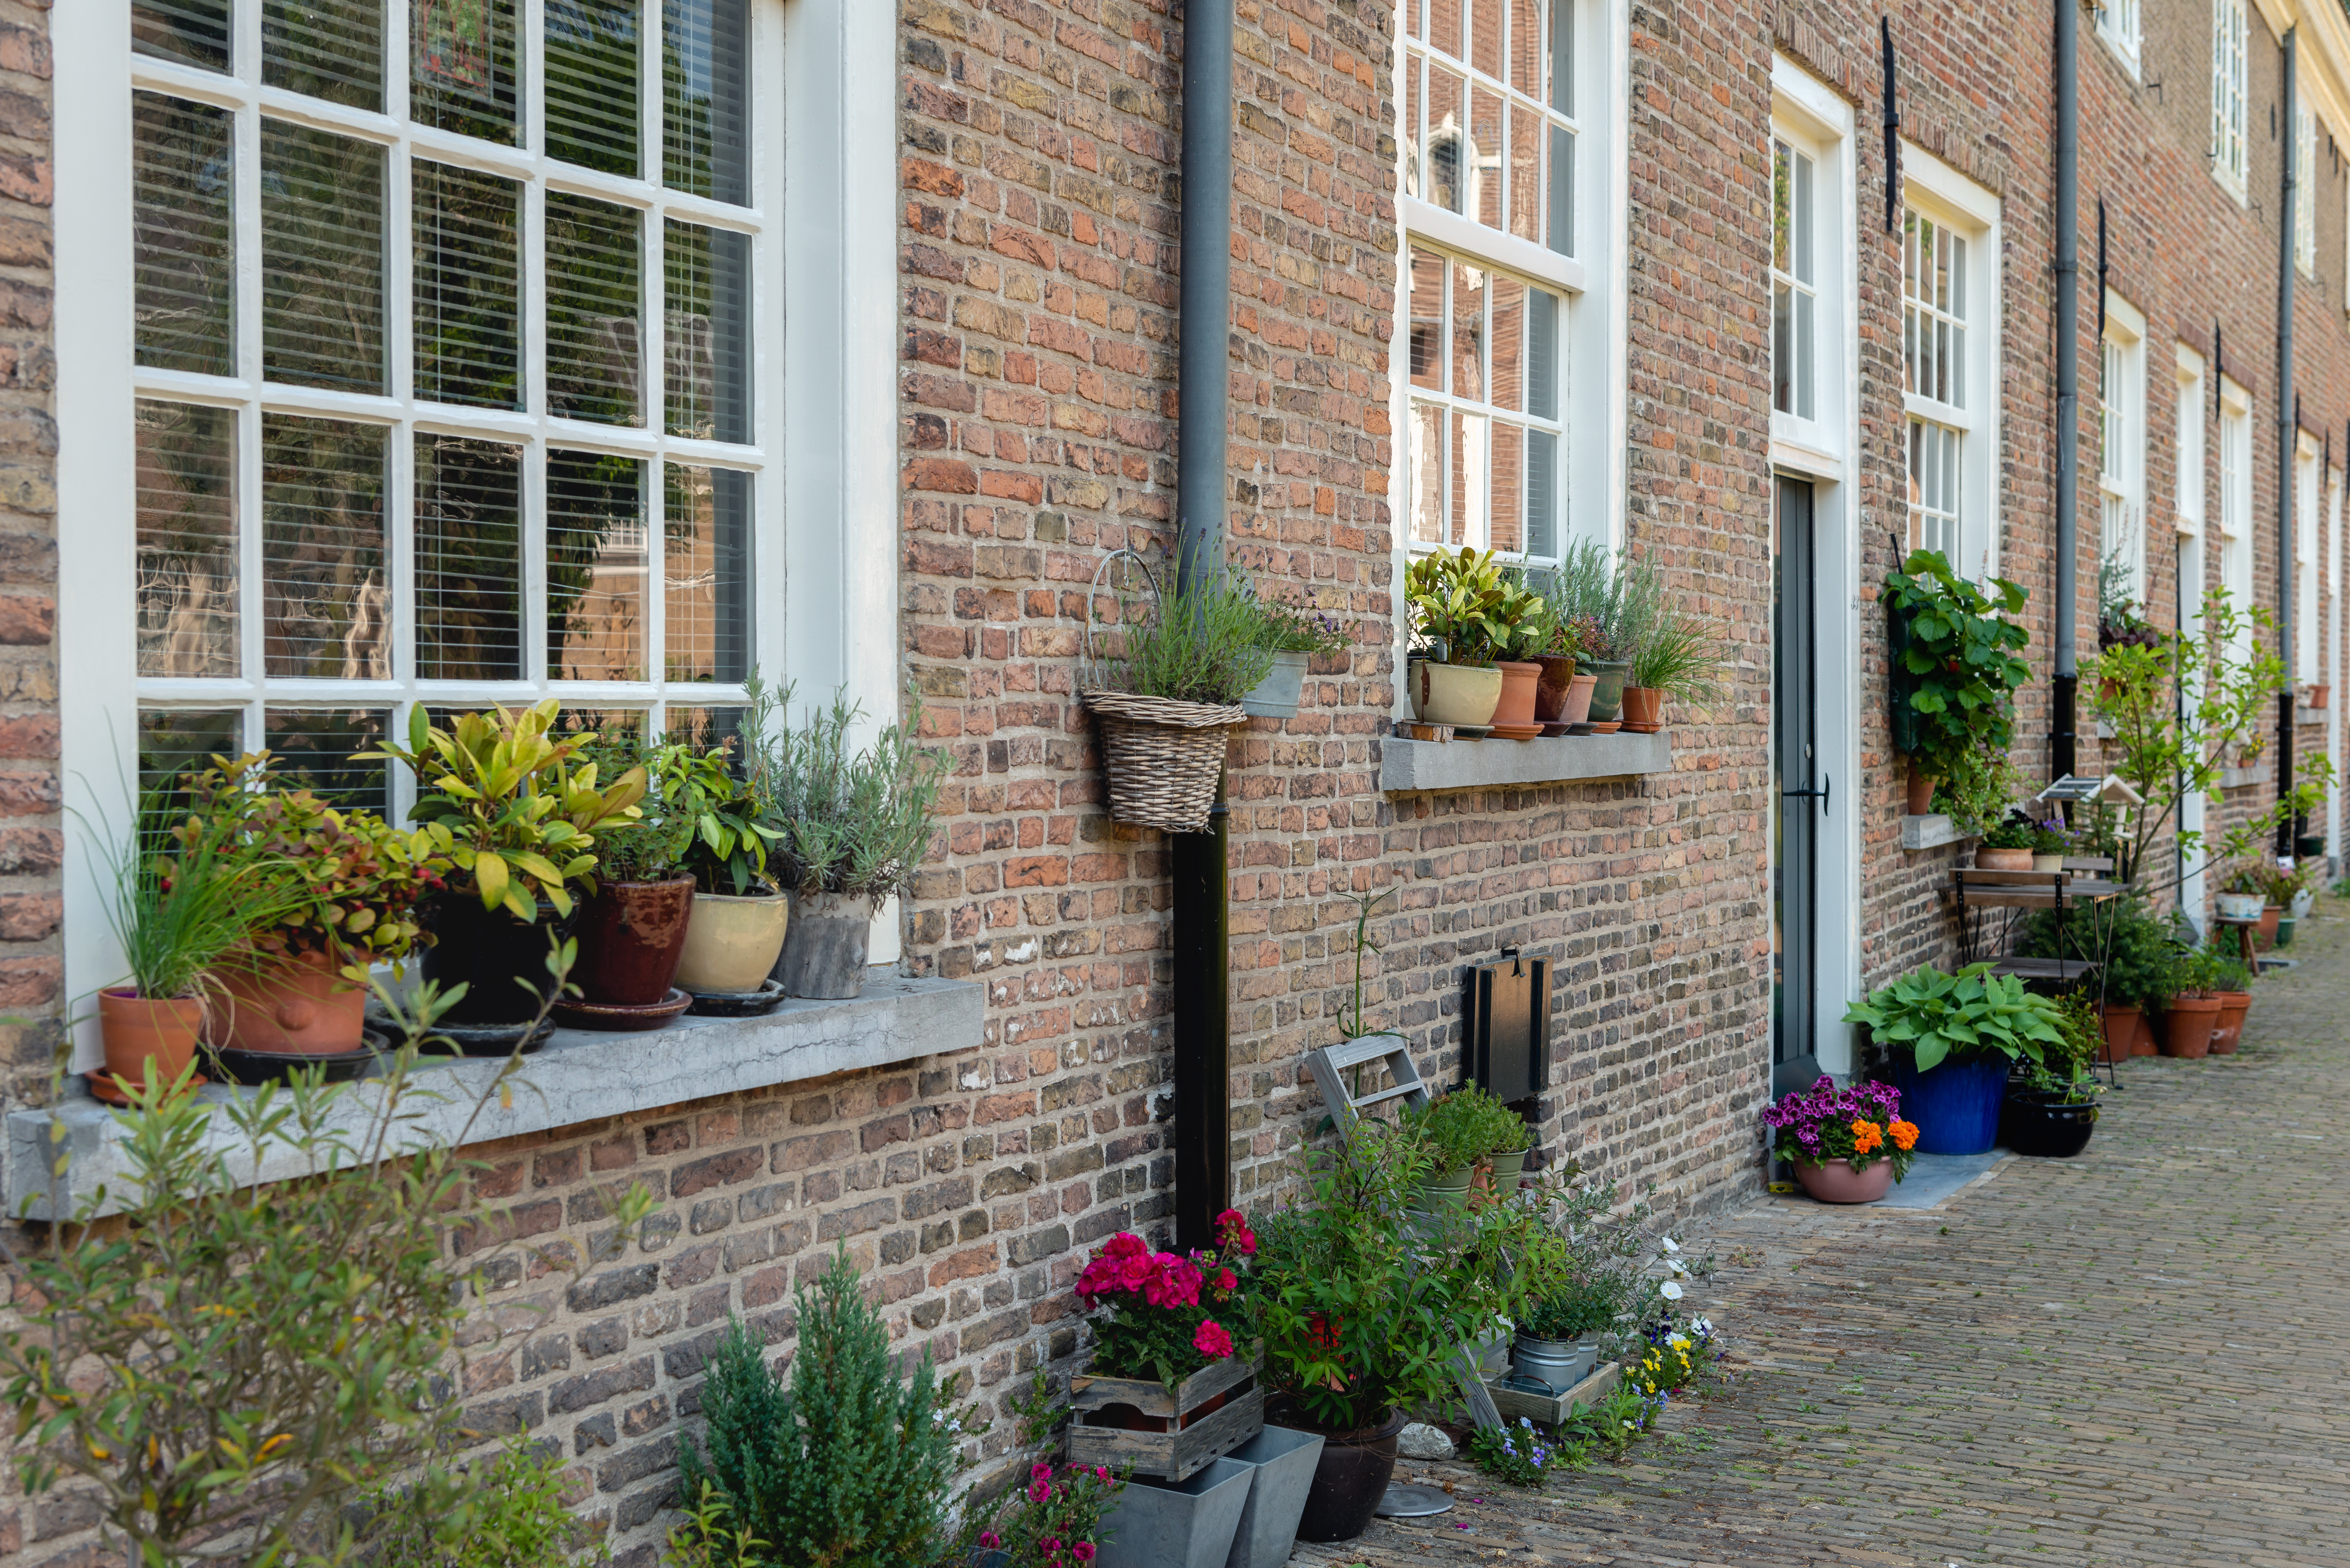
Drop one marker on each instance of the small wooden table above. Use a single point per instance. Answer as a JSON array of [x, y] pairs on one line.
[[2243, 930]]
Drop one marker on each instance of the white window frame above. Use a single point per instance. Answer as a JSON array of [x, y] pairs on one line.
[[2230, 96], [1593, 409], [2305, 194], [2119, 24], [2121, 446], [827, 502], [2331, 671], [1933, 188], [2308, 470], [2236, 566], [1814, 120], [2188, 479]]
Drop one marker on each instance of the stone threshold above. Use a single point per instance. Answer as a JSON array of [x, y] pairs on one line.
[[1407, 767], [578, 1076]]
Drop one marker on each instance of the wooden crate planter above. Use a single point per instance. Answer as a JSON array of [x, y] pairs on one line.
[[1550, 1410], [1162, 1435]]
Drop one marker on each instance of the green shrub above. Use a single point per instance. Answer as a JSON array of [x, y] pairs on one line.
[[511, 1515], [848, 1467], [1464, 1126]]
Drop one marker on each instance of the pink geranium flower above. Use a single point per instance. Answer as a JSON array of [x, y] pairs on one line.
[[1211, 1339]]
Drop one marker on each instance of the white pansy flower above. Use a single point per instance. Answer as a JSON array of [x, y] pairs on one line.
[[1669, 1291]]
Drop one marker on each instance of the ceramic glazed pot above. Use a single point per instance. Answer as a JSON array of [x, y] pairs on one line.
[[1276, 696], [2230, 1031], [731, 942], [1644, 709], [631, 935], [2186, 1026], [1955, 1105], [493, 955], [2284, 929], [1460, 695], [1836, 1181], [2238, 906], [1550, 691], [2002, 859], [2121, 1022], [1520, 681], [2048, 862], [136, 1031], [304, 1007], [2044, 1126], [1349, 1479], [824, 954], [1607, 695], [1920, 799]]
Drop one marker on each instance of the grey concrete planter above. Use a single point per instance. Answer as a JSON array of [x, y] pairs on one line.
[[1276, 696], [1177, 1525], [1282, 1462], [824, 946]]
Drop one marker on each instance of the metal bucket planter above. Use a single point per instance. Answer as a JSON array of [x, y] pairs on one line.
[[1450, 1190], [824, 946], [1276, 696], [1281, 1460], [1188, 1524], [1558, 1365]]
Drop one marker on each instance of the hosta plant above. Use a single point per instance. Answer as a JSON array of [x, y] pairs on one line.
[[1932, 1015]]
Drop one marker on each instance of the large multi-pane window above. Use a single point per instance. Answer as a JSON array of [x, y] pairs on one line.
[[1488, 114], [446, 386], [2118, 23], [1794, 279], [1935, 323], [2121, 453], [2229, 45], [1485, 419]]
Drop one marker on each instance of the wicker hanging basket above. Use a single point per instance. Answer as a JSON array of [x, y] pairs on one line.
[[1162, 758]]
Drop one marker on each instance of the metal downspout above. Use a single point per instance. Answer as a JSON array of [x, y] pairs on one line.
[[2064, 693], [2288, 422], [1201, 915]]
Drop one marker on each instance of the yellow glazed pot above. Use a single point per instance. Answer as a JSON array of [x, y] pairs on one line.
[[732, 943]]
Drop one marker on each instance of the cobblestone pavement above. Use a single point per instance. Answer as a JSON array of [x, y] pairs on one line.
[[2141, 1356]]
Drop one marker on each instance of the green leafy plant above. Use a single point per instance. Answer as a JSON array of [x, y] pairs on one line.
[[1611, 1255], [2135, 947], [2228, 971], [1206, 643], [1958, 659], [1670, 650], [2118, 621], [1932, 1015], [516, 1518], [1301, 629], [1977, 787], [1524, 1455], [1352, 1026], [847, 1466], [1478, 611], [850, 820], [1585, 1304], [652, 844], [510, 803], [2010, 834], [708, 1536], [1463, 1127]]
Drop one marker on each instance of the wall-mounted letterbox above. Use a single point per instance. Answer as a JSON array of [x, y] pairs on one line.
[[1507, 1026]]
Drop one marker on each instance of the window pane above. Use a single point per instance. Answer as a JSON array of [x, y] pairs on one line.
[[1804, 402], [705, 570], [1509, 332], [1427, 320], [594, 285], [595, 566], [1469, 460], [331, 49], [1562, 55], [1525, 48], [193, 32], [461, 68], [181, 177], [1802, 261], [173, 741], [468, 286], [704, 727], [707, 341], [1542, 354], [1427, 473], [187, 540], [326, 605], [1468, 331], [1413, 19], [1561, 190], [1782, 202], [322, 258], [1444, 19], [314, 748], [1782, 348], [591, 83], [1525, 172], [1448, 173], [1488, 147], [1485, 35], [1542, 493], [1507, 496], [705, 114], [1414, 143], [468, 560]]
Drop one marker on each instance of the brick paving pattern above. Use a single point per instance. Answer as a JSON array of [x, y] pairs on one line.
[[2135, 1357]]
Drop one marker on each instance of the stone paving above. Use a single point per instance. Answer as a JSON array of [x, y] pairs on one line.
[[2135, 1356]]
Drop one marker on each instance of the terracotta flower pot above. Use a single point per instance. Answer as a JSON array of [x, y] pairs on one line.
[[1836, 1181], [2002, 859], [1459, 694], [1579, 700], [2186, 1026], [2265, 937], [1920, 801], [304, 1007], [631, 935], [137, 1030], [1550, 691], [2229, 1032], [1515, 709], [2121, 1022], [2145, 1037], [1644, 709]]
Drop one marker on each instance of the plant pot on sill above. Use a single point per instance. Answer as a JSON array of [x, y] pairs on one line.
[[1920, 799], [1644, 709], [823, 952], [631, 936], [731, 942], [1462, 695], [1282, 1461], [1955, 1105], [493, 956], [1836, 1181], [302, 1006], [1608, 694], [1277, 695], [1551, 691], [1558, 1365], [2186, 1026], [1188, 1523], [1513, 714], [1987, 860], [2121, 1022], [2046, 1127], [136, 1030], [2229, 1032], [1350, 1477]]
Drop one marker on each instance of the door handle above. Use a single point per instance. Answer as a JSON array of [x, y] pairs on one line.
[[1827, 788]]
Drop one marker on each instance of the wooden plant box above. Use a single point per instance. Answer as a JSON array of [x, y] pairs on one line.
[[1550, 1410], [1185, 1440]]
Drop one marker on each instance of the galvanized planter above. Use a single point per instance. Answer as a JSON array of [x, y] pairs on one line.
[[1557, 1364], [1281, 1460], [1177, 1525], [1173, 1436]]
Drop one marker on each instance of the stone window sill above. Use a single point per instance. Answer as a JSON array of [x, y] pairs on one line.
[[1929, 832], [578, 1077], [2245, 778], [1420, 766]]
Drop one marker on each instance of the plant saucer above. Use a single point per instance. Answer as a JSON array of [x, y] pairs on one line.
[[615, 1017], [739, 1003], [107, 1088], [239, 1065]]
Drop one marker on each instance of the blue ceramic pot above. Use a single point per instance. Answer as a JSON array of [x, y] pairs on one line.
[[1956, 1106]]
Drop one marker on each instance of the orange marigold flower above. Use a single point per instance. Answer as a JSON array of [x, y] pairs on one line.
[[1905, 1135], [1867, 1136]]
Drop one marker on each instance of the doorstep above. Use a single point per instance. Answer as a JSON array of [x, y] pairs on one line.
[[578, 1076]]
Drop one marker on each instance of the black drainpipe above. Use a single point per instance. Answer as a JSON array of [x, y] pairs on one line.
[[2288, 443], [2065, 688], [1202, 911]]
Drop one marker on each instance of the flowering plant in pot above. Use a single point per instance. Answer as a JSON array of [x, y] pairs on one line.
[[1848, 1145], [1950, 1040], [1296, 635], [2049, 844], [513, 808], [1160, 1310], [1589, 1308]]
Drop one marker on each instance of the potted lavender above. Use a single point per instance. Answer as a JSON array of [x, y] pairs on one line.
[[1296, 635]]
